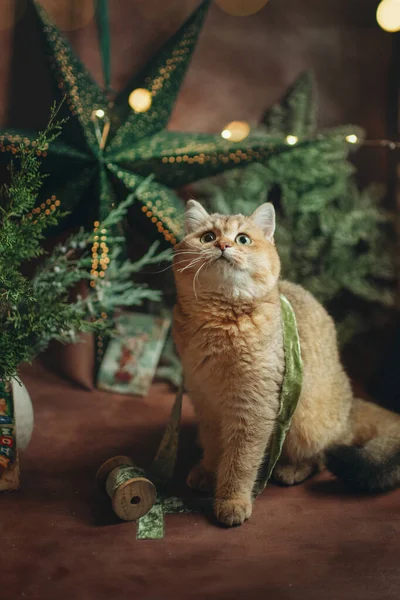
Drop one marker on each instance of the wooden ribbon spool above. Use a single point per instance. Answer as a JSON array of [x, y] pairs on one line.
[[131, 493]]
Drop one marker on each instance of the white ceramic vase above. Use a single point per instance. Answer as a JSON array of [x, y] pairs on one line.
[[23, 412]]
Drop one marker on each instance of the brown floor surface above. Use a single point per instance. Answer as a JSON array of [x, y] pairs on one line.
[[312, 541]]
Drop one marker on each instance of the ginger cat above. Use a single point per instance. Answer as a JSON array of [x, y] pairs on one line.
[[228, 332]]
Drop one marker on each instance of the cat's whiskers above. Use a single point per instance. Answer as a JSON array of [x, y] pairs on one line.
[[161, 270], [203, 254], [176, 263], [188, 256], [186, 252], [192, 253], [196, 275], [191, 264], [185, 260]]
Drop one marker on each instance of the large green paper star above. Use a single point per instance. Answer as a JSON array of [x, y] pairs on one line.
[[89, 168]]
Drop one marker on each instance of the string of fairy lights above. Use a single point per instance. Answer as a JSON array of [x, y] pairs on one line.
[[237, 131], [140, 100]]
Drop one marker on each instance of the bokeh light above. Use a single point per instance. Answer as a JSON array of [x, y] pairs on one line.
[[292, 140], [352, 138], [236, 131], [388, 15], [140, 100]]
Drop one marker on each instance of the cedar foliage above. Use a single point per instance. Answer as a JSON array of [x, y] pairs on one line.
[[33, 311]]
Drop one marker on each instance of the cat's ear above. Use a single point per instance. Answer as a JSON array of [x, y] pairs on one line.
[[264, 218], [195, 214]]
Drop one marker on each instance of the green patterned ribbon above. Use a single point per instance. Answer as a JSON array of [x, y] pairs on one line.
[[151, 526], [120, 475], [290, 393]]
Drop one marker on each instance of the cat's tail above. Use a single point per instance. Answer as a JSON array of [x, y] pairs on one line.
[[372, 462]]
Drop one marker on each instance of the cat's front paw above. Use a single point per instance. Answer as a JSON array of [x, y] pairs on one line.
[[201, 480], [233, 511]]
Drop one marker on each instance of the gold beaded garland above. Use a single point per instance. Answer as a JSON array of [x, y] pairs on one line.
[[97, 260], [45, 207]]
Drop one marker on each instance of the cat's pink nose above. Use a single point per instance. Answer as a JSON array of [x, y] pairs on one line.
[[223, 245]]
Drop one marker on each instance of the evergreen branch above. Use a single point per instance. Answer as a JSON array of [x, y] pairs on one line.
[[33, 312]]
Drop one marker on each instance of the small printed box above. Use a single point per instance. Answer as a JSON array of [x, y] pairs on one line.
[[9, 468], [131, 358]]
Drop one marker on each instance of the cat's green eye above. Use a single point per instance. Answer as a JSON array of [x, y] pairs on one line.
[[208, 237], [243, 239]]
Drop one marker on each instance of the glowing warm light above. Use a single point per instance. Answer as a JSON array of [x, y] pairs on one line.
[[388, 15], [140, 100], [236, 131], [241, 8], [99, 113], [70, 14], [292, 140], [11, 12], [352, 138]]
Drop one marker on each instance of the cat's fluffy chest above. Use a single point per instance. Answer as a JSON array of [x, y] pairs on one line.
[[225, 349]]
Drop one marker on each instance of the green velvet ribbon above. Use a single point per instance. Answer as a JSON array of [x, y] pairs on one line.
[[151, 526], [290, 392]]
